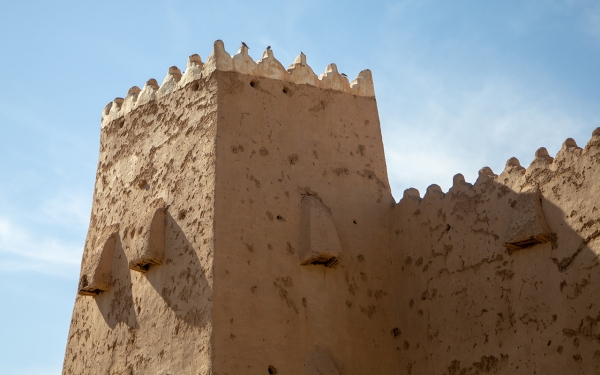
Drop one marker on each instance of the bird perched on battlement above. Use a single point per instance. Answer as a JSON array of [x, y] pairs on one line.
[[268, 48], [245, 45], [344, 75]]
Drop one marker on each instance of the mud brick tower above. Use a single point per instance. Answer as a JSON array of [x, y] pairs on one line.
[[243, 223], [237, 207]]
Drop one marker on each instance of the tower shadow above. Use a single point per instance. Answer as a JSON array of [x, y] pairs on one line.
[[116, 305], [180, 280]]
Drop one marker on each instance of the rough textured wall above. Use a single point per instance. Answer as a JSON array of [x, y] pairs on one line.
[[242, 223], [155, 182], [170, 155], [471, 301], [278, 142]]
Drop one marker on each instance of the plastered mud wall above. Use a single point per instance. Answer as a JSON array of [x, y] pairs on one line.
[[234, 208], [243, 223], [501, 276], [145, 291], [301, 229]]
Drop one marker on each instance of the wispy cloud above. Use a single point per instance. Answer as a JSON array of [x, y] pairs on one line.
[[445, 129], [450, 104], [45, 240], [21, 250], [67, 208]]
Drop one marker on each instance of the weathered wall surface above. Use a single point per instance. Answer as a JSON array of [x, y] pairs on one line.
[[278, 142], [161, 156], [467, 304], [274, 175], [242, 223]]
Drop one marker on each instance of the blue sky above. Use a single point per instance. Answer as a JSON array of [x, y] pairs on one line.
[[460, 85]]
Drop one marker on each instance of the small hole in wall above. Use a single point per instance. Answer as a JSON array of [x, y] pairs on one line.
[[324, 260], [195, 86], [354, 221], [143, 184], [286, 90], [272, 369], [254, 84], [141, 266]]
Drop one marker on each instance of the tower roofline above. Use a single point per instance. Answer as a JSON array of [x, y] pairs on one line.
[[268, 66]]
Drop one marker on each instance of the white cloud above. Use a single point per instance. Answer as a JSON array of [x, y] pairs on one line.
[[68, 209], [443, 127], [47, 237], [23, 251]]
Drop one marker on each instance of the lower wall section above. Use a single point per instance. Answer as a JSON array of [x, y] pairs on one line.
[[469, 304], [158, 322]]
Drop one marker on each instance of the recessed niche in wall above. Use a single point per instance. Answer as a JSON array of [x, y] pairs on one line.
[[319, 241], [148, 246]]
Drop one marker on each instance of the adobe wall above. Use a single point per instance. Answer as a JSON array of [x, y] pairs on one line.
[[242, 223], [158, 158], [470, 302], [239, 225], [278, 143]]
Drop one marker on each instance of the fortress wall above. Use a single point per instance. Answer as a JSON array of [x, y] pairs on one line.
[[470, 301], [243, 223], [173, 192], [154, 189], [278, 142]]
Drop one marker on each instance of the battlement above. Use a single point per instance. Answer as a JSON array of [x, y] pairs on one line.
[[516, 176], [520, 191], [514, 196], [268, 67]]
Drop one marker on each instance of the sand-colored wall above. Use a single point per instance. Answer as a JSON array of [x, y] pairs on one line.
[[276, 143], [216, 188], [468, 305], [158, 322]]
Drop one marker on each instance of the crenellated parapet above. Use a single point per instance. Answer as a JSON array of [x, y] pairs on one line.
[[514, 196], [267, 67], [541, 170]]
